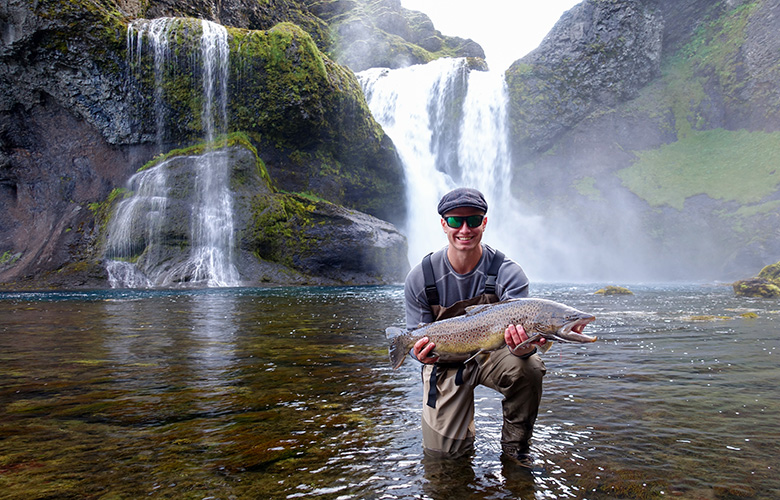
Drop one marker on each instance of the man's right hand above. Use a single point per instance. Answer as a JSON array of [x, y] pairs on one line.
[[422, 351]]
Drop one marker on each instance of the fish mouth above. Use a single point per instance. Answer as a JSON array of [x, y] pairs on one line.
[[572, 330]]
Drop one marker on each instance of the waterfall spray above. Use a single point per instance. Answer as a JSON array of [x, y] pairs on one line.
[[449, 126]]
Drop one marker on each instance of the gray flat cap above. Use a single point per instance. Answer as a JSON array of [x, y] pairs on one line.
[[462, 197]]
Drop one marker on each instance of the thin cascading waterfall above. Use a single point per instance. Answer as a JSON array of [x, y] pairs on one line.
[[137, 226], [212, 229], [156, 32], [449, 126]]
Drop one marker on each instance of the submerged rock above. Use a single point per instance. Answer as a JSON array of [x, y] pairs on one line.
[[614, 290]]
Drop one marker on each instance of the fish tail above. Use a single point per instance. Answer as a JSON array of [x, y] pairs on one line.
[[398, 345]]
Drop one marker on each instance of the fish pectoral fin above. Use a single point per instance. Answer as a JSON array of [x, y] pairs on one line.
[[546, 346], [532, 338], [477, 308], [474, 356]]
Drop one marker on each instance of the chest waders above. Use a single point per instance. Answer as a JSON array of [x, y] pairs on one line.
[[448, 388]]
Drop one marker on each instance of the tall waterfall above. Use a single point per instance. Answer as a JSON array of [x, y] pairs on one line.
[[135, 255], [449, 126]]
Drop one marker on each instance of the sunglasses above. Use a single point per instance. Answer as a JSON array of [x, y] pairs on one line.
[[471, 221]]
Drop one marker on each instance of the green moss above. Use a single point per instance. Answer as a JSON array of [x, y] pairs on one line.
[[756, 288], [614, 290], [277, 232], [738, 166], [101, 22], [586, 186], [713, 56], [771, 273], [223, 141], [102, 210], [289, 85], [8, 258]]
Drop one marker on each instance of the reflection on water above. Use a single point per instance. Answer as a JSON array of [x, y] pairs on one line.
[[287, 393]]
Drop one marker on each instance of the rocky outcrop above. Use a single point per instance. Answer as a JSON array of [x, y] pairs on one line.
[[766, 284], [282, 238], [383, 34], [598, 55], [77, 119], [666, 113], [324, 243]]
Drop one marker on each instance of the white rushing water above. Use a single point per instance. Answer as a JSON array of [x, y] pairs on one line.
[[449, 126], [139, 218]]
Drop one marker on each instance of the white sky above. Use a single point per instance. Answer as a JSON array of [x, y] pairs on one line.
[[506, 29]]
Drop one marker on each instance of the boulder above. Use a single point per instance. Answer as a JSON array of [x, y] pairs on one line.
[[766, 284]]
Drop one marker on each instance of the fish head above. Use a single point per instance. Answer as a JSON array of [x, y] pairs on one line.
[[571, 327], [561, 323]]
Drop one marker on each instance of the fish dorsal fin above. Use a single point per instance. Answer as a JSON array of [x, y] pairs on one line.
[[476, 309]]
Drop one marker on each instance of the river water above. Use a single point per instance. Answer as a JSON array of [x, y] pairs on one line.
[[287, 393]]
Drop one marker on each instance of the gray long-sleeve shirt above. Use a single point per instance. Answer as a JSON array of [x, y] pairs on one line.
[[511, 283]]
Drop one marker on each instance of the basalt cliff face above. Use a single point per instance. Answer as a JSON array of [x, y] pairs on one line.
[[654, 125], [77, 119]]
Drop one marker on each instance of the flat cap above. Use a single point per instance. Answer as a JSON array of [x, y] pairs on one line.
[[462, 197]]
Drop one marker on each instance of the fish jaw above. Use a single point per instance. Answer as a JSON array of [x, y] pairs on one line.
[[571, 331]]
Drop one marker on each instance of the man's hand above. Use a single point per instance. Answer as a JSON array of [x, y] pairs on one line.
[[515, 335], [422, 350]]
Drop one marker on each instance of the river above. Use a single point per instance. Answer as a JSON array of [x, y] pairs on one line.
[[287, 393]]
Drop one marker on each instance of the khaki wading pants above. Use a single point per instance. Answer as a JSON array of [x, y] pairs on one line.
[[448, 429]]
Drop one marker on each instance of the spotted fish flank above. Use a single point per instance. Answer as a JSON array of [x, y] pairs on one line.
[[482, 328]]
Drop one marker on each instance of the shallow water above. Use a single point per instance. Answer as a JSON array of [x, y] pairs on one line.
[[287, 393]]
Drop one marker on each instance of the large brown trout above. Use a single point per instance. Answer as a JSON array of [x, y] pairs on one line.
[[482, 328]]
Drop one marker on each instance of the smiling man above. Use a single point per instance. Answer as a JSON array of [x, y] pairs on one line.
[[464, 273]]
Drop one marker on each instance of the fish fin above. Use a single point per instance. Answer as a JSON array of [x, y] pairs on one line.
[[477, 308], [393, 332], [475, 355], [546, 346], [532, 338], [399, 345]]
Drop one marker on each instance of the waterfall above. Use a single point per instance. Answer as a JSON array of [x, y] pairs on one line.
[[449, 126], [136, 255], [212, 231]]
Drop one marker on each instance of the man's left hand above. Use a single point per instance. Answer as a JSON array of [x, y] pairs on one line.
[[515, 335]]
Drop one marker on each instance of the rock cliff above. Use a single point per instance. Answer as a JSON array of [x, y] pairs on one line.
[[654, 125]]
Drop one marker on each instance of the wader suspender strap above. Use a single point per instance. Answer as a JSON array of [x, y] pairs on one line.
[[430, 281], [490, 283], [435, 372], [432, 294]]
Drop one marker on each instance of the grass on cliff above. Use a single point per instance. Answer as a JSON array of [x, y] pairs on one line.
[[739, 166]]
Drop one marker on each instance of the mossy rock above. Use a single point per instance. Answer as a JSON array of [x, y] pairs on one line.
[[756, 287], [771, 273], [614, 290]]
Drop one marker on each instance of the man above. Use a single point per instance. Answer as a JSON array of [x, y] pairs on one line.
[[465, 273]]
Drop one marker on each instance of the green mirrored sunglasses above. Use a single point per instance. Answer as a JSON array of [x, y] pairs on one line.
[[471, 221]]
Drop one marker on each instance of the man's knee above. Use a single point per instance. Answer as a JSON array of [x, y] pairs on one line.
[[513, 373]]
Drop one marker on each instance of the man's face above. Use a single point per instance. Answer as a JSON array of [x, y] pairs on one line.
[[463, 238]]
